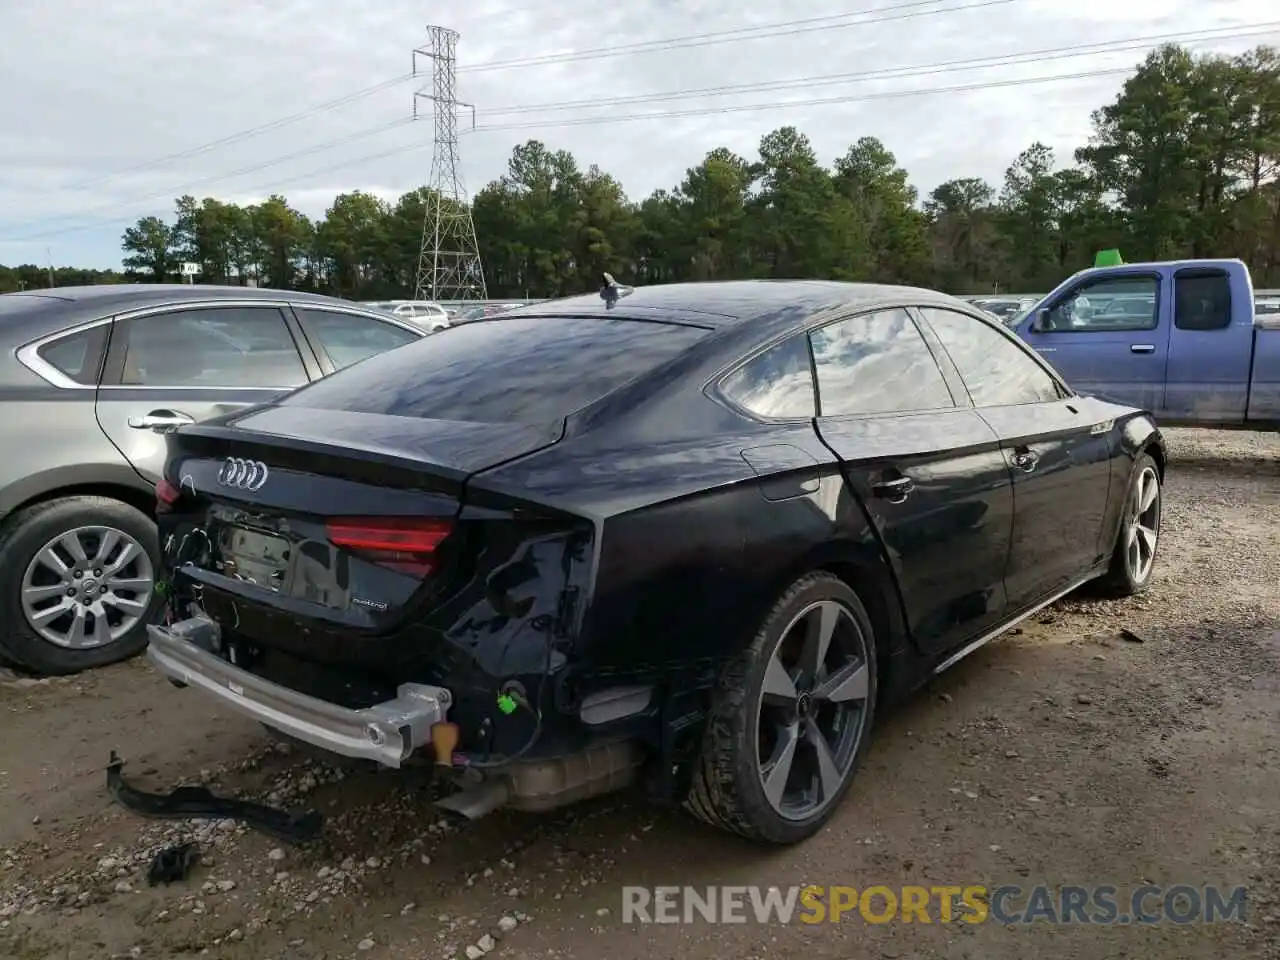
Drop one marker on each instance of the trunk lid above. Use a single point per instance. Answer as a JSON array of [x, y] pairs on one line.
[[293, 523], [452, 450]]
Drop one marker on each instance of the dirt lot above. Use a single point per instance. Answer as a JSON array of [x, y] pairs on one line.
[[1062, 754]]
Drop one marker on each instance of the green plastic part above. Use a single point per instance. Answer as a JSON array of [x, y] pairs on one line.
[[507, 703], [1108, 258]]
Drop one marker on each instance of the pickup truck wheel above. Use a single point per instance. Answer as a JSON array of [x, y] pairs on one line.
[[1134, 558], [791, 717], [77, 584]]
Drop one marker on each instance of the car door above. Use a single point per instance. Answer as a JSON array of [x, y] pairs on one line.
[[1104, 336], [343, 337], [180, 364], [928, 470], [1210, 349], [1058, 447]]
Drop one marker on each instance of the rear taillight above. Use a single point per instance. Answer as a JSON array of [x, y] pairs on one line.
[[406, 544], [166, 496]]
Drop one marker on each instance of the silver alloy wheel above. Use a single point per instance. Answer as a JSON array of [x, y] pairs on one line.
[[87, 587], [812, 711], [1142, 526]]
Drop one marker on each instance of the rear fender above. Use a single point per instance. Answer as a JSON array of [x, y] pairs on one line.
[[675, 725], [864, 568]]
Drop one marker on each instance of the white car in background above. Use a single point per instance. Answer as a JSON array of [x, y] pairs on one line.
[[424, 313]]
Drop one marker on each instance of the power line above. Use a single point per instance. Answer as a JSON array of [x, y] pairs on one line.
[[620, 118], [235, 137], [785, 104], [263, 188], [783, 28], [181, 188], [241, 135], [977, 63]]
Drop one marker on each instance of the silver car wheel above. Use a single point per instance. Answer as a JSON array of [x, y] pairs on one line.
[[1143, 526], [88, 587], [812, 712]]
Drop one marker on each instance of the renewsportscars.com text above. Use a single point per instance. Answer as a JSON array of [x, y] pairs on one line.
[[973, 903]]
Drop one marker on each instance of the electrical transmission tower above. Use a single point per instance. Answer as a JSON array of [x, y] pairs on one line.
[[449, 265]]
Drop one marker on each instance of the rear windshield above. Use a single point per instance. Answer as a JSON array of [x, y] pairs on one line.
[[513, 370]]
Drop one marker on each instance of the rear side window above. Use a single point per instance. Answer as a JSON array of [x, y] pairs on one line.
[[1201, 300], [78, 356], [519, 370], [777, 383], [876, 363]]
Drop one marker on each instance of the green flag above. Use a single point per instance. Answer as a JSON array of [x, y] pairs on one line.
[[1108, 258]]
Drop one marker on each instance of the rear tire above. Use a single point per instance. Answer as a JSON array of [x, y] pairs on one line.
[[77, 584], [1133, 560], [788, 728]]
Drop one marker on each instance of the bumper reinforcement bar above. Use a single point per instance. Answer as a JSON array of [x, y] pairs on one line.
[[385, 732]]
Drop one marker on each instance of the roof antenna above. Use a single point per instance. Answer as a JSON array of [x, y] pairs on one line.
[[611, 290]]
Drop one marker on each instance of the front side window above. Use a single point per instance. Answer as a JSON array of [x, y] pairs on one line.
[[245, 347], [996, 370], [778, 383], [349, 337], [1114, 304], [876, 363]]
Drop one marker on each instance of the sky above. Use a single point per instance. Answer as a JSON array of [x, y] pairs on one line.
[[112, 109]]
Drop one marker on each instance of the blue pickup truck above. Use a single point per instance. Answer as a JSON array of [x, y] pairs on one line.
[[1179, 339]]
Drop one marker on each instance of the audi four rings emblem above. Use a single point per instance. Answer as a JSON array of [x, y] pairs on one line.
[[245, 474]]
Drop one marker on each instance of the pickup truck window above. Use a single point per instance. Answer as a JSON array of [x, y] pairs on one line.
[[1201, 300], [1108, 304]]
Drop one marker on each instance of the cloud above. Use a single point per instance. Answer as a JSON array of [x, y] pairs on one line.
[[95, 89]]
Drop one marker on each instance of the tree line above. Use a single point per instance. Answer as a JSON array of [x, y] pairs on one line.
[[1183, 163]]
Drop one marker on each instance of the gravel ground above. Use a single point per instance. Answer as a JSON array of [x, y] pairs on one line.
[[1065, 753]]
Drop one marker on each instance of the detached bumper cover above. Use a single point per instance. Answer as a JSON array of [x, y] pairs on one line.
[[387, 733], [186, 803]]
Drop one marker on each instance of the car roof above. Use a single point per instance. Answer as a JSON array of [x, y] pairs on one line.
[[107, 293], [57, 308], [719, 305]]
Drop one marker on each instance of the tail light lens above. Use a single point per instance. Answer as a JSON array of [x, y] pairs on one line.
[[406, 544], [166, 496]]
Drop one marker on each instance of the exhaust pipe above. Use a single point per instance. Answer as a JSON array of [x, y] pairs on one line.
[[476, 801], [537, 786]]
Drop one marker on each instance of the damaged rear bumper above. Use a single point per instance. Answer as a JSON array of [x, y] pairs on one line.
[[387, 733]]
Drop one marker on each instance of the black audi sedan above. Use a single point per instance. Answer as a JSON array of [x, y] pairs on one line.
[[692, 536]]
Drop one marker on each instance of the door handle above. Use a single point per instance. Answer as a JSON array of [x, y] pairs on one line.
[[161, 421], [1142, 348], [1025, 459], [895, 491]]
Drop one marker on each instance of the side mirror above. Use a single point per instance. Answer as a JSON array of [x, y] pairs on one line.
[[1040, 321]]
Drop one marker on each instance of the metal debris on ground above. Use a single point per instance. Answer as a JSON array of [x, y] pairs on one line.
[[173, 864]]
